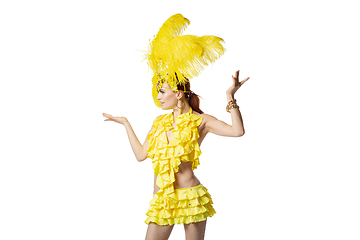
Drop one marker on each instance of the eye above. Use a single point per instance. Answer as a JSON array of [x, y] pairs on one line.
[[161, 91]]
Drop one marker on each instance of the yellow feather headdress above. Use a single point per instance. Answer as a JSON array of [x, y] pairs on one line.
[[176, 59]]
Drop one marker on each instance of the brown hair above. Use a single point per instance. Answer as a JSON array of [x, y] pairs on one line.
[[191, 97]]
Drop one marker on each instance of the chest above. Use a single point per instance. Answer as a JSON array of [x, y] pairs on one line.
[[172, 134], [169, 134]]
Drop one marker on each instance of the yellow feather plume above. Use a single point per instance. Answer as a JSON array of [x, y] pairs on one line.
[[171, 28], [189, 55], [176, 59]]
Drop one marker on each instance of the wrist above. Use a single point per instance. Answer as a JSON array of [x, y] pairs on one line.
[[231, 104], [126, 123], [230, 97]]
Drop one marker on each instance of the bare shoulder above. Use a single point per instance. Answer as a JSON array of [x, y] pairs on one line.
[[206, 117]]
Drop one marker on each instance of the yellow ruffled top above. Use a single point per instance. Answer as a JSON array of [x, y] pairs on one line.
[[167, 156]]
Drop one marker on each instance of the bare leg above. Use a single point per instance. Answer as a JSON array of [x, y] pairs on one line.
[[158, 232], [195, 231]]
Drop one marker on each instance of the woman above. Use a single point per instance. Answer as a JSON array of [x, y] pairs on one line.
[[174, 140]]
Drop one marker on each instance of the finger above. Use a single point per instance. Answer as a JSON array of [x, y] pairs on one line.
[[237, 74], [234, 80], [107, 115], [243, 81]]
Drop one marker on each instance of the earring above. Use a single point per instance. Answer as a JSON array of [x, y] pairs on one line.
[[180, 107]]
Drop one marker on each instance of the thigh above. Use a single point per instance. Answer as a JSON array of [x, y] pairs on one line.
[[158, 232], [195, 231]]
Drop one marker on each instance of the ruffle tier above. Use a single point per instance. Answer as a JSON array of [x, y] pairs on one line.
[[167, 156], [189, 206]]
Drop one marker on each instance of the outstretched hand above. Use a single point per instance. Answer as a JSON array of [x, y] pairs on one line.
[[236, 84], [121, 120]]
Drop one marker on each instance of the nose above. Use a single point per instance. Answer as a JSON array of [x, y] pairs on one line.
[[158, 96]]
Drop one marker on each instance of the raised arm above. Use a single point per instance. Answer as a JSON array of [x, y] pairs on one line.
[[218, 127], [139, 150]]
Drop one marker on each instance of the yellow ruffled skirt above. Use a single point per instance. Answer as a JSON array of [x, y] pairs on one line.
[[191, 205]]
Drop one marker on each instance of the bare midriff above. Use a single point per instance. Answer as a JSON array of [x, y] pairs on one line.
[[185, 177]]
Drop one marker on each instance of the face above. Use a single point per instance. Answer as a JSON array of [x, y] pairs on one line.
[[167, 97]]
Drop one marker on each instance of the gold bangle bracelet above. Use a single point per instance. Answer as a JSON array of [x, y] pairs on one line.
[[232, 104], [231, 107]]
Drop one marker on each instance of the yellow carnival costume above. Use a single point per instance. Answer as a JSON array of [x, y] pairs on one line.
[[169, 205], [176, 59]]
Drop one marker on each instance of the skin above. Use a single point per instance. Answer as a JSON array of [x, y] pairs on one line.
[[185, 177]]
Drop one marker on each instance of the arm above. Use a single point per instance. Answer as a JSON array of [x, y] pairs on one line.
[[218, 127], [223, 129], [139, 150]]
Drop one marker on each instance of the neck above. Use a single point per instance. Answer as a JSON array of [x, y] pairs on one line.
[[177, 111]]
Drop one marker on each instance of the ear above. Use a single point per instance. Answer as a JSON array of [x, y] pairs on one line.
[[179, 94]]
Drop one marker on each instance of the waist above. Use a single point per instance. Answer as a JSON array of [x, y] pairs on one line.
[[185, 180], [179, 190]]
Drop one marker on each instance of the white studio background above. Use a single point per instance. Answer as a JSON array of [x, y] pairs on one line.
[[67, 174]]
